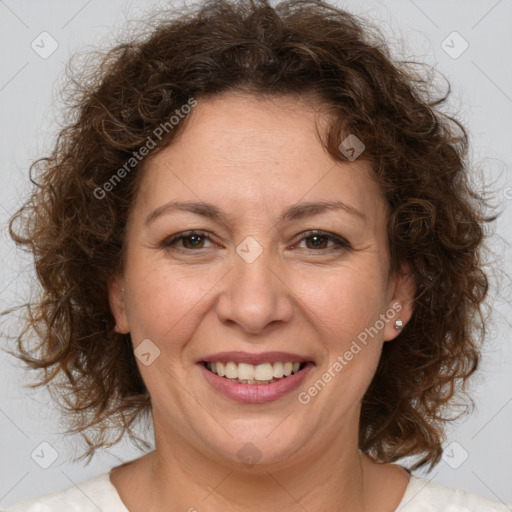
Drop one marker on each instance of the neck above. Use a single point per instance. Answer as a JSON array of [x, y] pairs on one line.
[[190, 480]]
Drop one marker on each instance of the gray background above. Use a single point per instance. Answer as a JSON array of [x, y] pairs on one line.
[[479, 450]]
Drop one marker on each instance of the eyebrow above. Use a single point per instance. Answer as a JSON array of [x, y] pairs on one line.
[[295, 212]]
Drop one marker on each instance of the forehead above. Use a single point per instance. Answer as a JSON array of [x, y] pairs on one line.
[[245, 152]]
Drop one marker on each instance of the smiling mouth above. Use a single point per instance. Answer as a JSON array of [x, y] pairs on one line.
[[244, 373]]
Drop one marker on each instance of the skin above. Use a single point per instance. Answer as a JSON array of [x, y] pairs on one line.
[[252, 158]]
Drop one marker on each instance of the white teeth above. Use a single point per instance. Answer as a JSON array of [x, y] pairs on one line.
[[264, 372], [245, 373], [278, 370], [231, 370], [220, 369]]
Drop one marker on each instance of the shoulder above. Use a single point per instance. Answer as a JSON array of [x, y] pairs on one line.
[[422, 495], [95, 494]]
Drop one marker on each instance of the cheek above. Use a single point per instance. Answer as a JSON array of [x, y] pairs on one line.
[[345, 302], [166, 306], [165, 302], [344, 309]]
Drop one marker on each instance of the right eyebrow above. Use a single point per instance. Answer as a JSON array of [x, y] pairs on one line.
[[199, 208]]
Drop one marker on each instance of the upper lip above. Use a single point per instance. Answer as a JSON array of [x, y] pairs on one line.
[[254, 359]]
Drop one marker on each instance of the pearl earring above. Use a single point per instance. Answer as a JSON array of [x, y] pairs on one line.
[[399, 325]]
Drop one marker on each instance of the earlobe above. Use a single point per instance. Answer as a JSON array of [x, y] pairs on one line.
[[117, 304], [401, 306]]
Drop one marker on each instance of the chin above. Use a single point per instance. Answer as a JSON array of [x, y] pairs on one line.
[[257, 443]]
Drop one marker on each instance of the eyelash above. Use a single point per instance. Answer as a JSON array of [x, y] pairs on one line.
[[341, 243]]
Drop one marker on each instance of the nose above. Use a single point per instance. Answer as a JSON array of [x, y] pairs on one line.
[[255, 296]]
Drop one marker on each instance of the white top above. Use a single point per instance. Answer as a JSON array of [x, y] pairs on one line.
[[99, 493]]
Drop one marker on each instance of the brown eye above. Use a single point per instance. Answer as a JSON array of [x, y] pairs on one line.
[[187, 241], [318, 241], [193, 241]]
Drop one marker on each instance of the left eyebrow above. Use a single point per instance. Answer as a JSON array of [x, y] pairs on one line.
[[302, 210], [295, 212]]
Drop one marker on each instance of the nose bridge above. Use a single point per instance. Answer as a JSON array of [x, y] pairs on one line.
[[254, 297]]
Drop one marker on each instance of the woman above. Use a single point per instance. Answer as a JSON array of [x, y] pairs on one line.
[[259, 230]]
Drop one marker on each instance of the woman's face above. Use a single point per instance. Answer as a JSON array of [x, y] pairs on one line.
[[258, 284]]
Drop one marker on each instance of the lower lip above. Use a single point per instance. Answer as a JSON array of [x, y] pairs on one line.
[[256, 393]]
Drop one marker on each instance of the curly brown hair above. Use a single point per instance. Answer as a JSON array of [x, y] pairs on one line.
[[75, 228]]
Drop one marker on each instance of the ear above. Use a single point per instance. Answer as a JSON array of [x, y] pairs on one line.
[[117, 304], [401, 305]]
